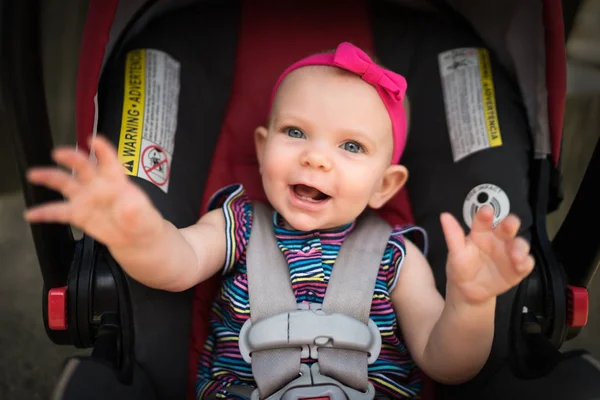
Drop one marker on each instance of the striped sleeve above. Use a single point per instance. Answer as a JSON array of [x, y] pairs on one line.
[[396, 242], [237, 210], [398, 250]]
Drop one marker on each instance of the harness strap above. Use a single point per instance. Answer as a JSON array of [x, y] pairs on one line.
[[350, 292], [270, 293]]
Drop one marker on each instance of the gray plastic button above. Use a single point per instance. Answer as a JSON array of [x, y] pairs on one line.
[[321, 341]]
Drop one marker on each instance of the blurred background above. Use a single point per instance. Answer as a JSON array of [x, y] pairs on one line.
[[30, 363]]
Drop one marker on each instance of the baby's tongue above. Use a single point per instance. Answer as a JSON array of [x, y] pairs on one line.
[[307, 191]]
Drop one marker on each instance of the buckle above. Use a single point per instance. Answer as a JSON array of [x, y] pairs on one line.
[[310, 328], [312, 385]]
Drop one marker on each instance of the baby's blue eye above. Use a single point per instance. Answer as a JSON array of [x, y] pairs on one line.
[[352, 147], [295, 133]]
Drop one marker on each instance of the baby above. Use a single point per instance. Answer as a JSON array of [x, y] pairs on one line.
[[329, 151]]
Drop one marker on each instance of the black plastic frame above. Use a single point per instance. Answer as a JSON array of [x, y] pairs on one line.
[[538, 321], [24, 117], [570, 10], [575, 249]]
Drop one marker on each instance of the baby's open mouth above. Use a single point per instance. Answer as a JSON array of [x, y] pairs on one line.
[[309, 193]]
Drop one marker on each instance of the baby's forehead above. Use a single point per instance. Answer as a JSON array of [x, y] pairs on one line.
[[309, 71], [315, 73]]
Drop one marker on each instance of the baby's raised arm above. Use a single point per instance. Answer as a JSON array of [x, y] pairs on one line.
[[104, 203], [451, 339]]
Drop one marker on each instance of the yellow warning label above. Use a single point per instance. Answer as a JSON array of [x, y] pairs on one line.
[[132, 120], [489, 98]]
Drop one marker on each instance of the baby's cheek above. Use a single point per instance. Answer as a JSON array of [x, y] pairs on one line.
[[357, 194], [359, 182], [273, 165]]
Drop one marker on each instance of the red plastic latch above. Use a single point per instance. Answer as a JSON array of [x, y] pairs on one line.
[[57, 309], [577, 306]]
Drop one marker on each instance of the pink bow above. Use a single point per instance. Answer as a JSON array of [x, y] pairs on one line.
[[352, 58]]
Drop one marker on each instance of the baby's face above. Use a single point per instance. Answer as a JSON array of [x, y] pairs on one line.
[[325, 155]]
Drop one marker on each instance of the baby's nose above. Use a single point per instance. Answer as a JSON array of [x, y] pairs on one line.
[[317, 159]]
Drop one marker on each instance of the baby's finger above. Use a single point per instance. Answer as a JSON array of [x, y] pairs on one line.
[[58, 211], [483, 219], [518, 250], [55, 179], [107, 157], [508, 228], [514, 272], [526, 266], [77, 161], [453, 232]]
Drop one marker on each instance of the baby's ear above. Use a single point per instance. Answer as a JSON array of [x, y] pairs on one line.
[[260, 138], [394, 178]]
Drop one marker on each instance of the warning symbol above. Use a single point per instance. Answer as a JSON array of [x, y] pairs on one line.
[[129, 165], [155, 165]]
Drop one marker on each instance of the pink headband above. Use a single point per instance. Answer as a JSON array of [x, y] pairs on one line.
[[390, 86]]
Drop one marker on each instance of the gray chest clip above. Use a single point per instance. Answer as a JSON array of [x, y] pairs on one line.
[[310, 328]]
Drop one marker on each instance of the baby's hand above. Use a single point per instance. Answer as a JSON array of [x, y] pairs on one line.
[[100, 199], [489, 261]]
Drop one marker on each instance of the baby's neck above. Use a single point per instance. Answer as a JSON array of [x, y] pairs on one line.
[[289, 227]]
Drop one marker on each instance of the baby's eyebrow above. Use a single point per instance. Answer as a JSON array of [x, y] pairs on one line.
[[362, 136], [290, 119]]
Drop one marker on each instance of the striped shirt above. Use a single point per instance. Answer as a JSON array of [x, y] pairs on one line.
[[310, 256]]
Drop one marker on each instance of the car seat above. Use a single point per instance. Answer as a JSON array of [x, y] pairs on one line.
[[227, 56]]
